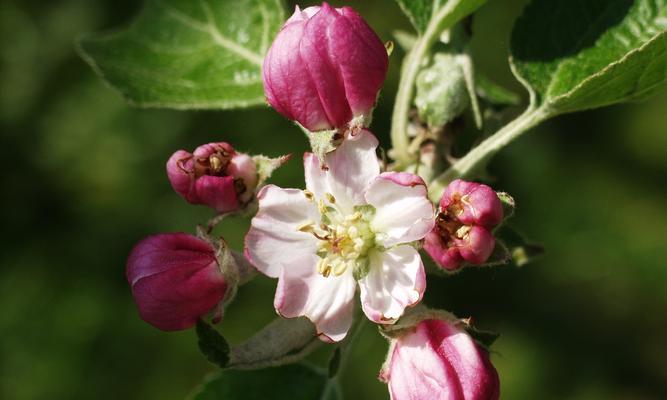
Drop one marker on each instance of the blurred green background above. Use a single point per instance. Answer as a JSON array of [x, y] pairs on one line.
[[83, 180]]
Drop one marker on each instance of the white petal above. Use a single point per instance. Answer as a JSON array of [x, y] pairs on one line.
[[395, 280], [274, 238], [403, 212], [351, 168], [327, 302]]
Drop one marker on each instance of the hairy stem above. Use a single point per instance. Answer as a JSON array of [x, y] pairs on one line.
[[467, 165], [445, 18]]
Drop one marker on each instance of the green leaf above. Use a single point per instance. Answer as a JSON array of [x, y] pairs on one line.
[[212, 344], [281, 342], [419, 12], [575, 55], [290, 382], [189, 53]]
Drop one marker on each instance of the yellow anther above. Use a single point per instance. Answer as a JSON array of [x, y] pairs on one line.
[[216, 164], [331, 198], [354, 217], [306, 227], [462, 231], [321, 207], [309, 195], [340, 267]]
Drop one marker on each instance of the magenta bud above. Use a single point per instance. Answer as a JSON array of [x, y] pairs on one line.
[[213, 175], [325, 68], [472, 203], [437, 359], [175, 279], [468, 212]]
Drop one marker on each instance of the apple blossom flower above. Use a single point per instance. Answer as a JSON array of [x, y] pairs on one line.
[[462, 233], [214, 175], [351, 226], [437, 359], [325, 68], [175, 279]]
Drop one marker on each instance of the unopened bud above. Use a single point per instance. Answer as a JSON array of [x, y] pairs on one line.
[[325, 68], [175, 279], [213, 175]]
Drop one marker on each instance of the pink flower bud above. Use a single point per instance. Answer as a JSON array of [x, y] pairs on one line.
[[214, 175], [175, 279], [468, 213], [472, 203], [439, 360], [325, 68]]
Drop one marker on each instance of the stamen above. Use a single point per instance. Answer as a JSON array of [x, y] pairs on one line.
[[309, 195], [340, 267], [306, 227], [462, 231], [354, 217], [331, 198], [321, 207]]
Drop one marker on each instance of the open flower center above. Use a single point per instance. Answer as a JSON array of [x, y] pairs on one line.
[[448, 224], [344, 240]]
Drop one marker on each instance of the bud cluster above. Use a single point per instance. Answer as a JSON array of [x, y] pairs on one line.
[[463, 232], [214, 175], [355, 230]]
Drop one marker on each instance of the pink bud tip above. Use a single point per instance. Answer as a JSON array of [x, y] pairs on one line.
[[213, 175], [175, 279], [325, 68], [439, 360]]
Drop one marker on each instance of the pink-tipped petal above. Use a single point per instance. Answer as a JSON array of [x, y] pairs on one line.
[[326, 301], [477, 204], [180, 173], [322, 68], [217, 192], [395, 280], [364, 60], [403, 212], [477, 245], [446, 257], [286, 84]]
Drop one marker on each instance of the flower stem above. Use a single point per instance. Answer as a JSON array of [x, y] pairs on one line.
[[471, 162], [443, 19]]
